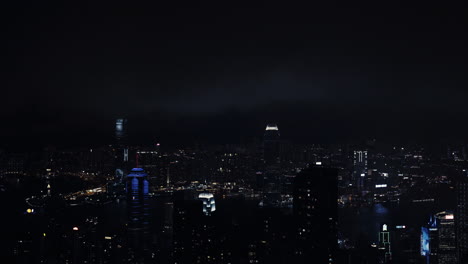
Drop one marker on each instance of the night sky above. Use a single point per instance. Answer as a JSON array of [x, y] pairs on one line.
[[329, 71]]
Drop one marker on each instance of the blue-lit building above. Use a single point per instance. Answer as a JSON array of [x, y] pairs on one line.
[[138, 211], [438, 242]]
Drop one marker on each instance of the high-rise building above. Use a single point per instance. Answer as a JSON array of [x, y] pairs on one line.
[[384, 244], [405, 246], [271, 145], [461, 219], [209, 205], [138, 213], [438, 243], [188, 215], [121, 149], [121, 129], [315, 211], [271, 188], [271, 178], [359, 168]]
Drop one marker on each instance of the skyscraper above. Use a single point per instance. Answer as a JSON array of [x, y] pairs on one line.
[[188, 215], [138, 213], [405, 244], [271, 145], [438, 243], [121, 149], [461, 219], [384, 244], [316, 212], [209, 205], [120, 129], [271, 182], [359, 168]]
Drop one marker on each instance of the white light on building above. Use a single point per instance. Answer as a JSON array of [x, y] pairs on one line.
[[209, 204], [271, 127]]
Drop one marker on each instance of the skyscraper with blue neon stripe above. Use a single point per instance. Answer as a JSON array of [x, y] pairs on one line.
[[138, 211]]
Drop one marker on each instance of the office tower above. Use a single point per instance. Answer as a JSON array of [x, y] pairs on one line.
[[271, 145], [274, 232], [121, 149], [121, 129], [429, 241], [166, 232], [315, 211], [138, 214], [209, 205], [28, 240], [405, 244], [438, 243], [271, 184], [188, 215], [461, 219], [359, 168], [384, 244], [447, 242], [148, 159], [271, 189]]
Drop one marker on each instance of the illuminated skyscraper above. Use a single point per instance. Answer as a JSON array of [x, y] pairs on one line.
[[271, 181], [121, 129], [138, 213], [209, 205], [438, 242], [384, 244], [447, 242], [359, 168], [271, 145], [121, 149], [316, 212]]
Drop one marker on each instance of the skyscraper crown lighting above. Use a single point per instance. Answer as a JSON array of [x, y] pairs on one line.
[[271, 127], [137, 172]]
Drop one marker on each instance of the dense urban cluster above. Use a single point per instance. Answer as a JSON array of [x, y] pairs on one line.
[[272, 201]]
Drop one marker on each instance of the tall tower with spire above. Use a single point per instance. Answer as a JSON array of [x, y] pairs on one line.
[[121, 148]]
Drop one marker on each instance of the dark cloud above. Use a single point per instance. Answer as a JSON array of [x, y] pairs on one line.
[[108, 60]]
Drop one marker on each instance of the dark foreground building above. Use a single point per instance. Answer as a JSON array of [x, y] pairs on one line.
[[461, 219], [315, 213]]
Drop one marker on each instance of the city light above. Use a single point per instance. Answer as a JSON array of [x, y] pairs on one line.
[[271, 127]]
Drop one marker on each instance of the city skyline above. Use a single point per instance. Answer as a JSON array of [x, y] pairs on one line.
[[212, 132]]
